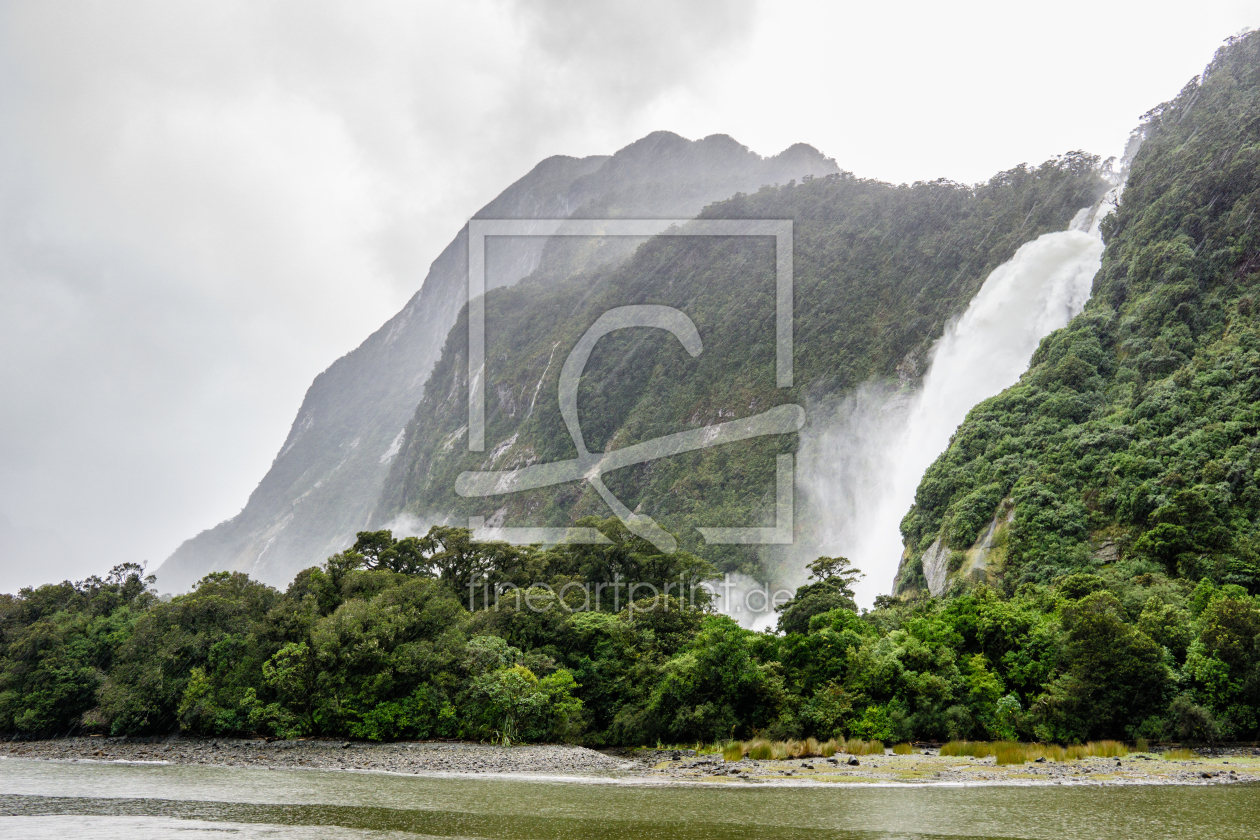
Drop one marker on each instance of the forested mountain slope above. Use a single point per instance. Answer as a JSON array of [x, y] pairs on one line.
[[1133, 436], [878, 271], [325, 482]]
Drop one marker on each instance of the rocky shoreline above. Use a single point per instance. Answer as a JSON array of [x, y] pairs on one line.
[[404, 757], [645, 765]]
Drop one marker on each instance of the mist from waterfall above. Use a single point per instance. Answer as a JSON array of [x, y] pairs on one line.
[[862, 456]]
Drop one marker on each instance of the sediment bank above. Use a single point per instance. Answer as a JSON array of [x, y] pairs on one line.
[[648, 766]]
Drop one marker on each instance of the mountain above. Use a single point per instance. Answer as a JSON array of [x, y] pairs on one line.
[[879, 270], [325, 482], [1130, 445]]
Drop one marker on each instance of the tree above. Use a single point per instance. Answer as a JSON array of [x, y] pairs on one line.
[[832, 588], [1112, 676]]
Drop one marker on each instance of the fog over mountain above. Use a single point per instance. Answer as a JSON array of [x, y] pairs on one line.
[[325, 482]]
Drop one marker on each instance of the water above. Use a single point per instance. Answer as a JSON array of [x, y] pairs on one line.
[[863, 456], [107, 800]]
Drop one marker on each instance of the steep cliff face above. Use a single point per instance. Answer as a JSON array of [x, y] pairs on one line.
[[879, 270], [1134, 436], [326, 480]]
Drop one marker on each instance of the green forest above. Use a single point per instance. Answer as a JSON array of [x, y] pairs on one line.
[[380, 643], [1122, 600]]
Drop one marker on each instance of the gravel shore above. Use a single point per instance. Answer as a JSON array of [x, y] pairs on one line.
[[661, 766], [930, 767], [328, 755]]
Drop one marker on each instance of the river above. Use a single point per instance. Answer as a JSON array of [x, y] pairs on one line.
[[102, 800]]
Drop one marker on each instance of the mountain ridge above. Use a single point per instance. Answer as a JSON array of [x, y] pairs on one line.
[[324, 482]]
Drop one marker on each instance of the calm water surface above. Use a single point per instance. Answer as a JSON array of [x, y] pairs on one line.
[[133, 801]]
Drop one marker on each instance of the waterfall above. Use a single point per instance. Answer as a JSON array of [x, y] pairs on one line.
[[862, 456]]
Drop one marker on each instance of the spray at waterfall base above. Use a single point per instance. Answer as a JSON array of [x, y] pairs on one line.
[[863, 455], [735, 595]]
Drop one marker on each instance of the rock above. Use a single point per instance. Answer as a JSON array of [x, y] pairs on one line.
[[1107, 552], [833, 761], [936, 567], [1041, 760], [853, 762], [346, 745]]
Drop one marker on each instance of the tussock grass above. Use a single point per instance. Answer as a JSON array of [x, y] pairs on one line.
[[1013, 752], [903, 749], [855, 746], [1107, 749], [1179, 755], [759, 750], [973, 749], [1009, 752], [1141, 745]]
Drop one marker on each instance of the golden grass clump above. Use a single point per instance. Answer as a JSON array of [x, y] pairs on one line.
[[903, 749], [760, 750], [1013, 752], [1107, 749], [1010, 752], [812, 747], [1179, 755], [856, 746], [734, 751], [971, 749], [830, 748], [1142, 745]]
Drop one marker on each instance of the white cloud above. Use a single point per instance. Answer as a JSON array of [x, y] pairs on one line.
[[206, 204]]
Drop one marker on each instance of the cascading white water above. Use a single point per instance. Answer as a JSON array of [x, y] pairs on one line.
[[862, 457]]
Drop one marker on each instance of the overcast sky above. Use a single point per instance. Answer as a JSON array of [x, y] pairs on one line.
[[203, 205]]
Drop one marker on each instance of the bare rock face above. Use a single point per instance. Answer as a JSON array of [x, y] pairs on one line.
[[936, 567], [1107, 552]]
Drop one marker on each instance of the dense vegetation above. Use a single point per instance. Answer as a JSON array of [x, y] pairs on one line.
[[380, 643]]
